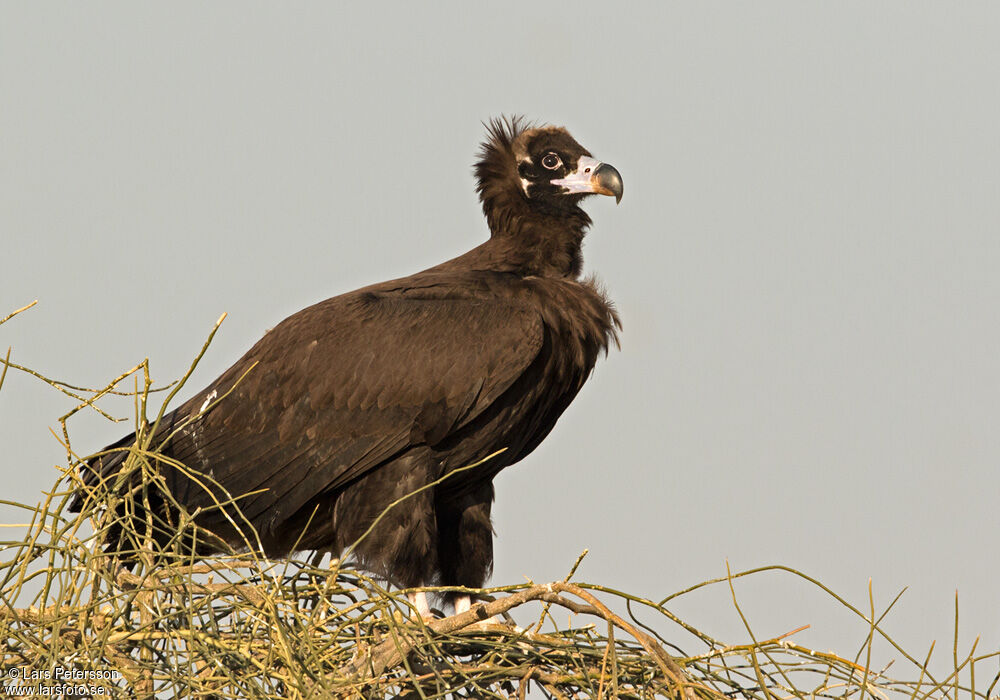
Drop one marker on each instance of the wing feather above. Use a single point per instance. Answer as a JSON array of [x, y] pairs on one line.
[[343, 386]]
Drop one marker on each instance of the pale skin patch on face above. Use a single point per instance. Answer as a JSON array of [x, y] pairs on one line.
[[580, 180]]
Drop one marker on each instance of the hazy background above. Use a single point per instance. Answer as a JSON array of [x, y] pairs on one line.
[[805, 260]]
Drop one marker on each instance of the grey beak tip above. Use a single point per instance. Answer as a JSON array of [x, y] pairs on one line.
[[611, 180]]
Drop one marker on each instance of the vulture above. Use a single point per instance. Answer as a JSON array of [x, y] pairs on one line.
[[386, 395]]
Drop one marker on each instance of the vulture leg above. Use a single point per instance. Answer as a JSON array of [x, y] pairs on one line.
[[418, 600], [463, 603], [403, 543], [465, 534]]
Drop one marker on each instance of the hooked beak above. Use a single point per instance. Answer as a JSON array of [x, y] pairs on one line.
[[593, 177]]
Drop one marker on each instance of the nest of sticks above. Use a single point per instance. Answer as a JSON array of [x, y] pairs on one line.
[[73, 620]]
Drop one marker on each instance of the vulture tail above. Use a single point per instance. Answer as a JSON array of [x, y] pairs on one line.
[[125, 504]]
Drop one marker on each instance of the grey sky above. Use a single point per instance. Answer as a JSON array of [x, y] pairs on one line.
[[805, 261]]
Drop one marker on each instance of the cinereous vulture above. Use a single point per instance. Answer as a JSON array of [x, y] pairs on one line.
[[355, 402]]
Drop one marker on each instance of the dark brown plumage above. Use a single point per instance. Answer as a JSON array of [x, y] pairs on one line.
[[363, 398]]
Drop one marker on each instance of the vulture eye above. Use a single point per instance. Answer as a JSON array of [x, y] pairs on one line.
[[551, 161]]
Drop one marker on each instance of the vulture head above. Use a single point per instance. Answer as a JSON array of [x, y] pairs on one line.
[[532, 172]]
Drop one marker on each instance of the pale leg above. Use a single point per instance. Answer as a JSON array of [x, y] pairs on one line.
[[463, 603], [419, 600]]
